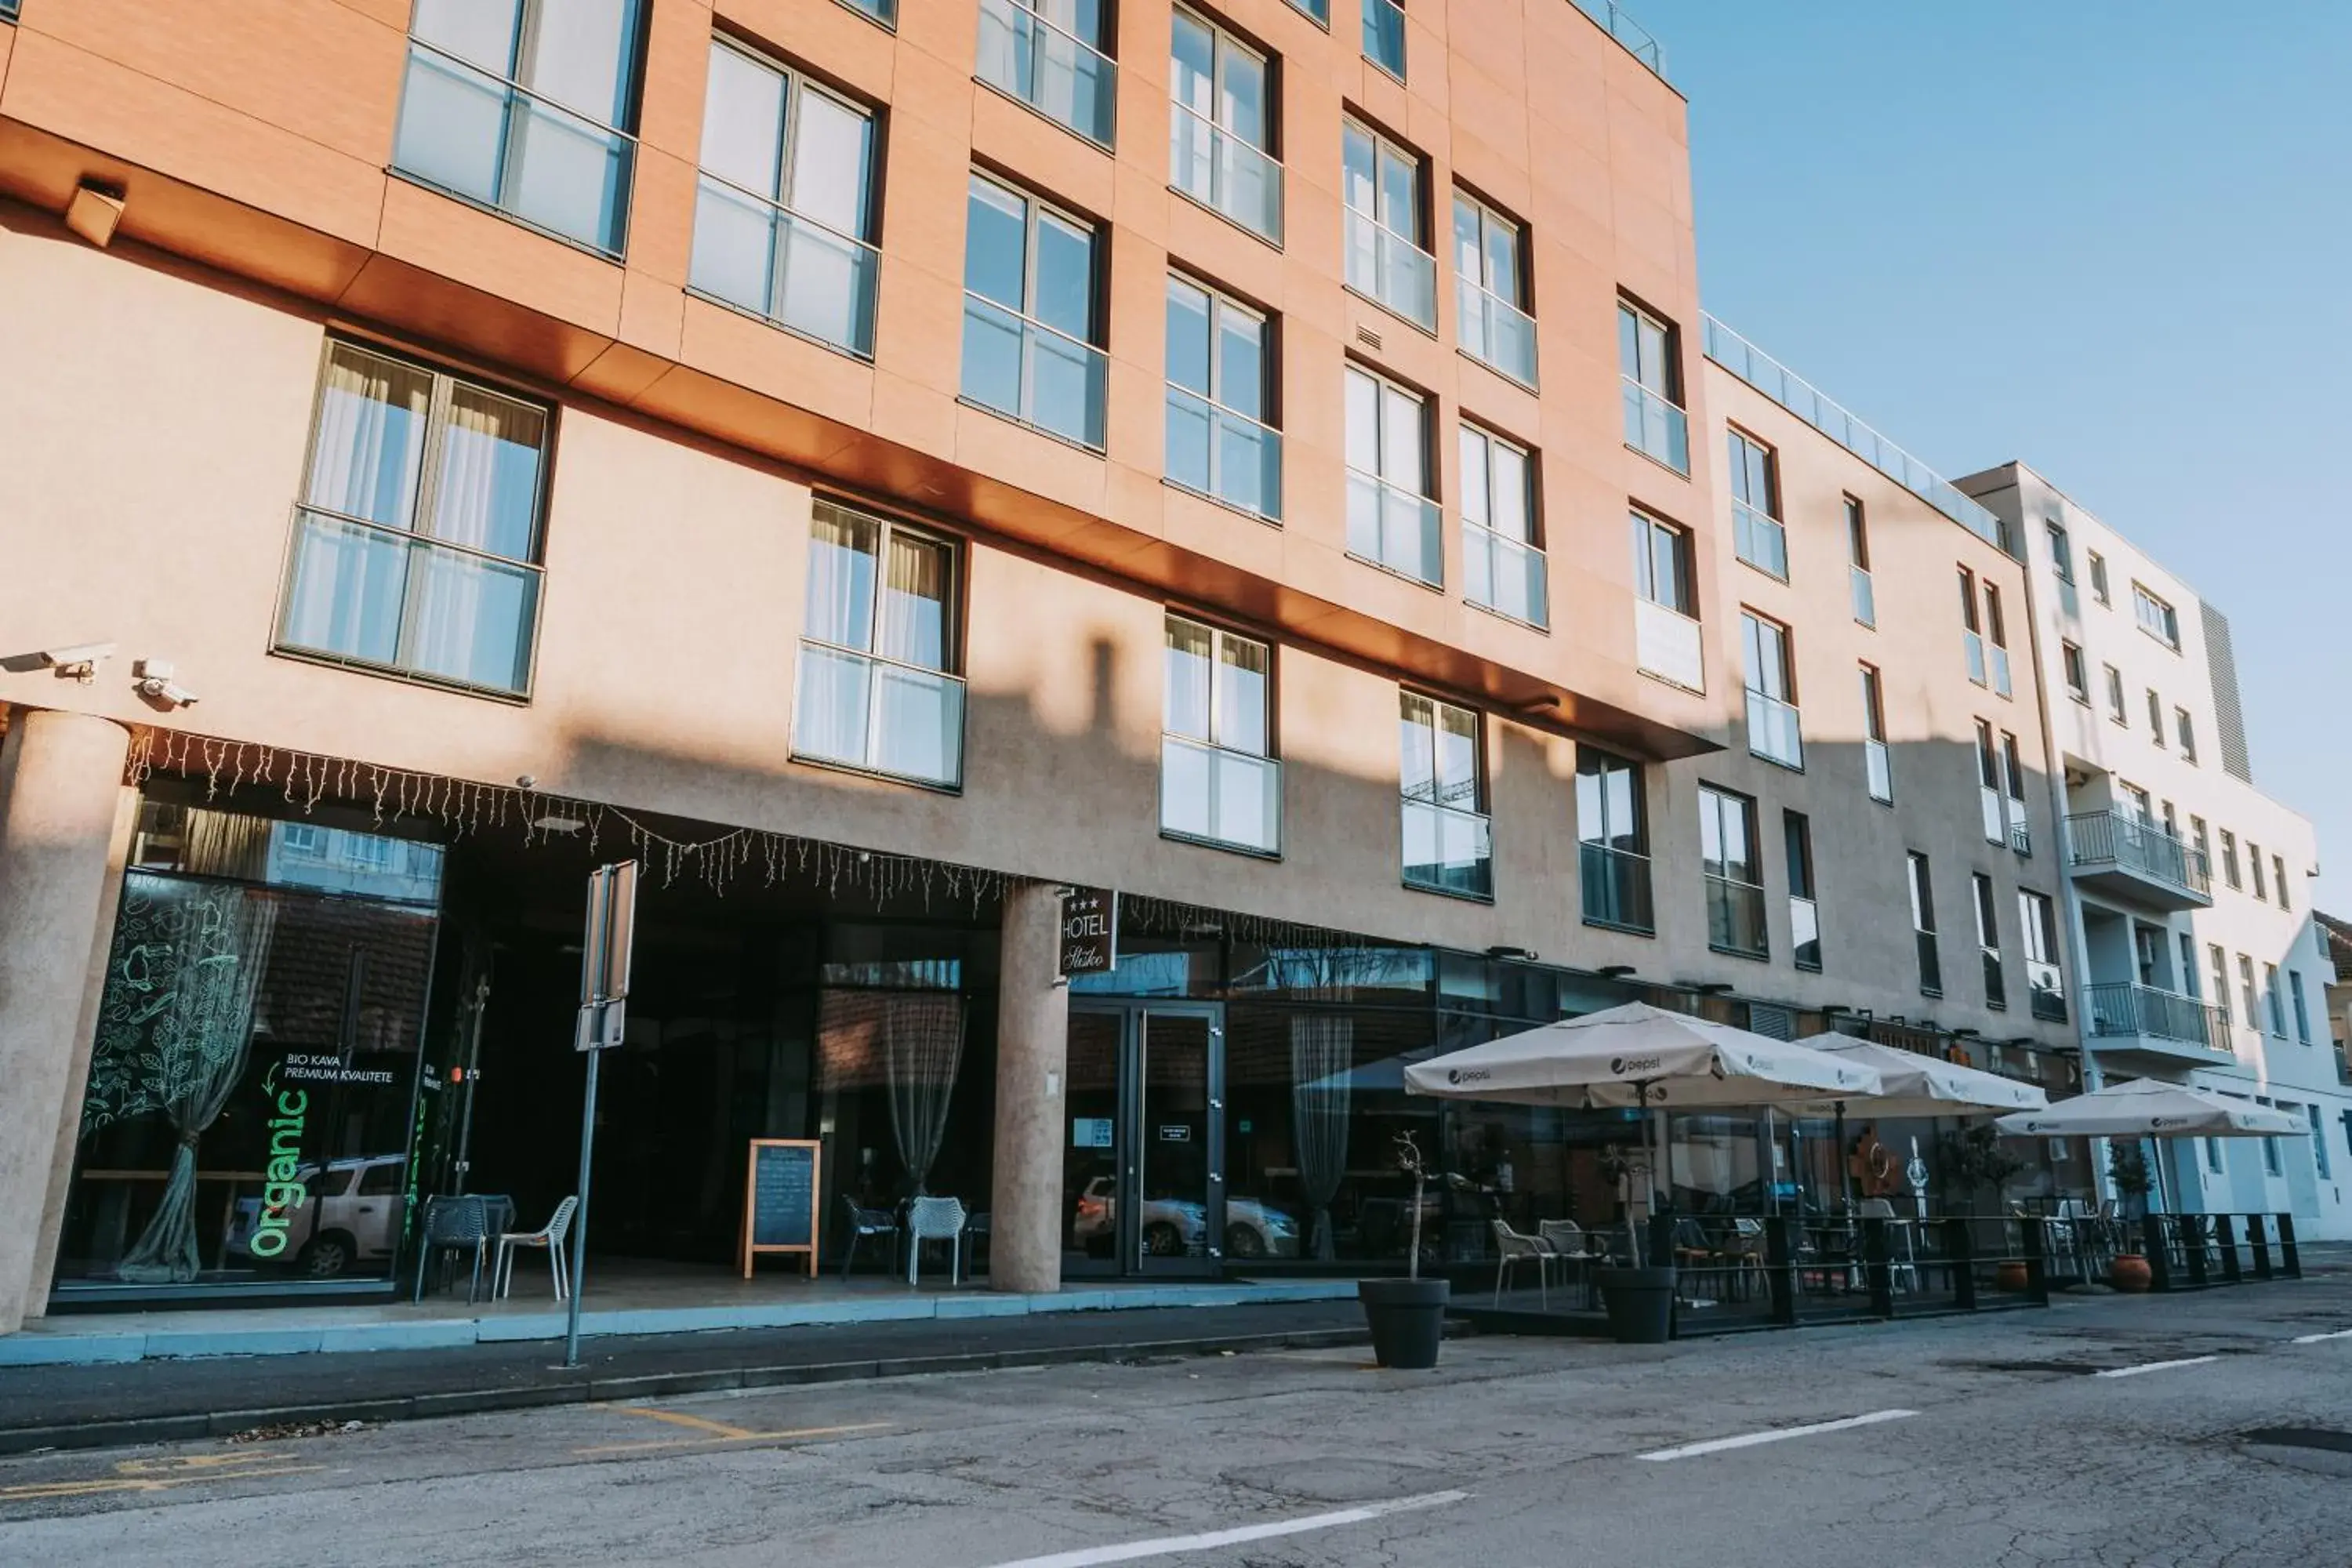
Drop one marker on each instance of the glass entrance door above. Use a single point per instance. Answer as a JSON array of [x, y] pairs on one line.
[[1146, 1112]]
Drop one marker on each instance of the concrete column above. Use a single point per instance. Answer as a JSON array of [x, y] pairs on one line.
[[1032, 1041], [60, 775]]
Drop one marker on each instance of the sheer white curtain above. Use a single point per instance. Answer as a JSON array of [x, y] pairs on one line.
[[473, 615], [923, 1046], [366, 460], [1322, 1093]]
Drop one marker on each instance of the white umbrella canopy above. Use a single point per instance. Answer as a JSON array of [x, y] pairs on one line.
[[1637, 1055], [2150, 1107], [1914, 1085]]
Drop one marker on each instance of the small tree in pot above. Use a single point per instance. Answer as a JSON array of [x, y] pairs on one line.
[[1407, 1316], [2128, 1168], [1974, 1161]]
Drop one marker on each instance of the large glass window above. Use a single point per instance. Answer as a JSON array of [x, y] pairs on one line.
[[416, 544], [1049, 54], [1989, 942], [1756, 529], [1989, 801], [527, 106], [1773, 730], [877, 685], [2021, 834], [1385, 36], [1220, 126], [1732, 868], [1386, 260], [1665, 605], [1613, 847], [2038, 920], [1649, 363], [1218, 780], [783, 219], [1923, 927], [1490, 289], [2156, 617], [1391, 520], [1221, 442], [1448, 846], [1502, 565], [1878, 762], [2272, 1002], [1804, 911], [1032, 316]]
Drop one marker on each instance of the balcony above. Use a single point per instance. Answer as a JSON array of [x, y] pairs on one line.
[[1761, 539], [878, 716], [1055, 72], [1028, 372], [1496, 332], [1616, 887], [1213, 795], [1227, 457], [361, 593], [1655, 427], [1772, 730], [1391, 527], [1505, 576], [1224, 173], [2124, 858], [1448, 850], [760, 256], [2142, 1020], [1390, 270], [1666, 645]]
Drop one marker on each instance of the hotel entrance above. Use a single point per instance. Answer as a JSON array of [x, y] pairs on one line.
[[1146, 1118]]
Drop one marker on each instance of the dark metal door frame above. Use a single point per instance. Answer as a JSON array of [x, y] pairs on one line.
[[1129, 1259]]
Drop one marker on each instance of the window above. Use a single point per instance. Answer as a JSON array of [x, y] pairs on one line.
[[1221, 122], [2062, 553], [1972, 628], [2078, 679], [1665, 635], [2254, 864], [2143, 804], [2301, 1006], [302, 840], [2272, 1165], [2246, 991], [1755, 528], [2230, 857], [1877, 761], [2219, 960], [2021, 836], [2098, 577], [2201, 847], [1733, 872], [2187, 735], [1649, 361], [1857, 551], [1502, 567], [1385, 36], [2156, 717], [2115, 697], [530, 117], [1319, 9], [416, 546], [1989, 801], [1490, 289], [2037, 918], [2278, 878], [2319, 1143], [1448, 845], [1218, 780], [1614, 842], [883, 10], [1032, 322], [1386, 260], [1923, 927], [1048, 55], [2273, 1003], [878, 688], [2213, 1155], [2156, 617], [2188, 966], [1989, 943], [1221, 381], [1997, 633], [1772, 726], [1804, 911], [1391, 520], [783, 210]]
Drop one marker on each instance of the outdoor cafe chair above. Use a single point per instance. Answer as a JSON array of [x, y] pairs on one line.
[[1572, 1246], [1512, 1248], [549, 1237], [1903, 1270], [863, 1223], [935, 1219], [453, 1223]]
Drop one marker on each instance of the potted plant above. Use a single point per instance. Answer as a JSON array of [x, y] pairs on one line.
[[2128, 1168], [1639, 1299], [1407, 1316], [1971, 1163]]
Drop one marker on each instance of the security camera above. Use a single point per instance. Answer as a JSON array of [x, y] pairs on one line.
[[155, 684], [80, 661]]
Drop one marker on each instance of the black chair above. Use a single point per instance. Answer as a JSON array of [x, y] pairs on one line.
[[865, 1222], [459, 1222]]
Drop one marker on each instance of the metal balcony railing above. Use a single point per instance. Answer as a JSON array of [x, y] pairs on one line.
[[2125, 1009], [2115, 839]]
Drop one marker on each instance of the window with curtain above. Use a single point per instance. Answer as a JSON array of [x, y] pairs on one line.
[[1502, 561], [1391, 520], [877, 688], [1490, 289], [1033, 329], [1385, 262], [1219, 782], [1731, 870], [1222, 442], [783, 211], [1448, 846], [528, 107], [416, 542], [1614, 842], [1220, 123]]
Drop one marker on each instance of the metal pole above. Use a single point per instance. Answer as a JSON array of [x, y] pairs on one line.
[[579, 1218], [473, 1071]]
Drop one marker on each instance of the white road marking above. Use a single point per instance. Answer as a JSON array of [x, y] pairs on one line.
[[1209, 1542], [2315, 1338], [2155, 1366], [1749, 1440]]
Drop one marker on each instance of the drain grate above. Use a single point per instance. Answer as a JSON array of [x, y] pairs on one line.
[[2302, 1437]]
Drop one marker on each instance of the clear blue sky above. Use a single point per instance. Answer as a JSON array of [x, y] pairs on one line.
[[2112, 239]]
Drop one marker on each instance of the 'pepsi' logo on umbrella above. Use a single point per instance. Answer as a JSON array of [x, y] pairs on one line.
[[1467, 1074], [1621, 1066]]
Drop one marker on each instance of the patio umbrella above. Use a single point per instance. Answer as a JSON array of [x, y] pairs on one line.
[[1915, 1085], [2150, 1107]]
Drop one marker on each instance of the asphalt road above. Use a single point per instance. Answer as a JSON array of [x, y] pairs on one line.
[[1988, 1442]]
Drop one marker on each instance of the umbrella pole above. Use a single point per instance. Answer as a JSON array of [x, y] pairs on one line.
[[1845, 1164]]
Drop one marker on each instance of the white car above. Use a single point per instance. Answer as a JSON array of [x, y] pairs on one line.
[[1176, 1228], [351, 1217]]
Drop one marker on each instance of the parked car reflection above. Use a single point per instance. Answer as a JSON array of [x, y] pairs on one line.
[[350, 1219], [1179, 1228]]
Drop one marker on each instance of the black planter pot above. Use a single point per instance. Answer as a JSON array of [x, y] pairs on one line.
[[1641, 1303], [1407, 1319]]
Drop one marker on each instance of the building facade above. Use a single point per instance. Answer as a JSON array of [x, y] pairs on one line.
[[878, 468]]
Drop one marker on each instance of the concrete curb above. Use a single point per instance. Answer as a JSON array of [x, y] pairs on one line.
[[584, 1389]]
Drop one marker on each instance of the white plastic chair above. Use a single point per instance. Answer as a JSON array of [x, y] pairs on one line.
[[1903, 1271], [1512, 1248], [935, 1219], [550, 1237]]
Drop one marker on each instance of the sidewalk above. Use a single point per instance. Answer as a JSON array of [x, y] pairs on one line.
[[108, 1404]]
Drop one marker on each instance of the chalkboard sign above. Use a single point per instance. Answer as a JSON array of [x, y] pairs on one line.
[[779, 1199]]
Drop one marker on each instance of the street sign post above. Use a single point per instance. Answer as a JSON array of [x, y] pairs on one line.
[[604, 950]]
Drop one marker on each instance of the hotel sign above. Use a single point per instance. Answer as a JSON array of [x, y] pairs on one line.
[[1090, 931]]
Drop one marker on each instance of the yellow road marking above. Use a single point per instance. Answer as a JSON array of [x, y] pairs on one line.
[[679, 1418], [150, 1476], [728, 1435]]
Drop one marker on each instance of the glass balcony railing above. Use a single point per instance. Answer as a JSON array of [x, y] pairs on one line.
[[1735, 917], [1878, 763], [1666, 645], [1865, 596], [1386, 266], [1220, 796], [1448, 850], [2099, 838], [1385, 36], [1997, 659], [2046, 995], [1972, 644], [2125, 1009], [1804, 934], [384, 597], [1994, 820], [767, 260], [1616, 887], [1392, 527], [1222, 173], [1226, 456], [1772, 730], [878, 716], [493, 141], [1655, 427], [1055, 72], [1761, 539], [1635, 40], [1026, 371], [1496, 332], [1505, 576]]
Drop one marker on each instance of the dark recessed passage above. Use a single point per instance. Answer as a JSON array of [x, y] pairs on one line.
[[2303, 1437]]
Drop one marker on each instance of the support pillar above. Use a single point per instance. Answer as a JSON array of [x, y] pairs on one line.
[[60, 775], [1033, 1038]]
